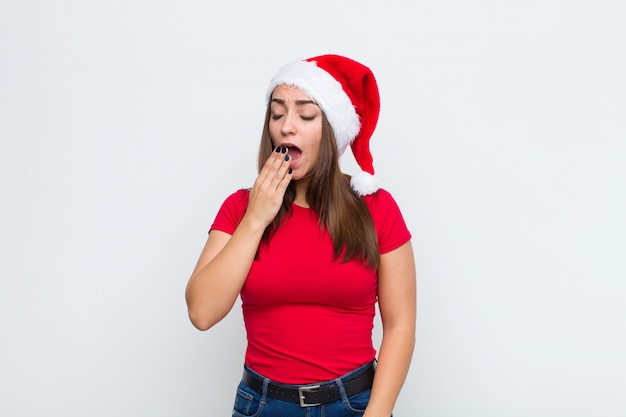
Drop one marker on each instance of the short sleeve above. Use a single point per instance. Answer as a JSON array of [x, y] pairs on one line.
[[390, 225], [231, 212]]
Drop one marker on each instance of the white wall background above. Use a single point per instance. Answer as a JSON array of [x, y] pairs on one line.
[[124, 124]]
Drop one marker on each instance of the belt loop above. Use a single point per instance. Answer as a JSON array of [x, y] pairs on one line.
[[266, 383], [342, 389]]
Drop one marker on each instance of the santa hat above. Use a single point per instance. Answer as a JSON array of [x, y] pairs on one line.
[[347, 93]]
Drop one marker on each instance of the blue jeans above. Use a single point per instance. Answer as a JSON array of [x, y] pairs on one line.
[[249, 403]]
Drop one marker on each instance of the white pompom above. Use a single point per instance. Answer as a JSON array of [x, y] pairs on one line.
[[364, 183]]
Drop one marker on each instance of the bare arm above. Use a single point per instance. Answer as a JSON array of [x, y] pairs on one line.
[[225, 261], [397, 303]]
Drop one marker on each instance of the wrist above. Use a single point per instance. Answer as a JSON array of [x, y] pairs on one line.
[[252, 225]]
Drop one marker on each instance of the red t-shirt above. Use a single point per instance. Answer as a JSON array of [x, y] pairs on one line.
[[309, 317]]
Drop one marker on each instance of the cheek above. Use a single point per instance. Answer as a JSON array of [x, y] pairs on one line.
[[316, 142], [314, 136], [272, 129], [313, 152]]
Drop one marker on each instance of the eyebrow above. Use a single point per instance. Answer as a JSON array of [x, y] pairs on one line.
[[298, 102]]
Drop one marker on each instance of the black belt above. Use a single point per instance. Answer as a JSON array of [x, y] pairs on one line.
[[310, 395]]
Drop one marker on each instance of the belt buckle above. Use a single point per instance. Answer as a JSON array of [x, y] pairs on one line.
[[302, 390]]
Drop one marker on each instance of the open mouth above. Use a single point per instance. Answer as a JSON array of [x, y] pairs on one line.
[[294, 152]]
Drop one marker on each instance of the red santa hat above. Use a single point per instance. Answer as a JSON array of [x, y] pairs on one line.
[[347, 93]]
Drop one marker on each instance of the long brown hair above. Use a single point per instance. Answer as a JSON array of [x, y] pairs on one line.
[[341, 211]]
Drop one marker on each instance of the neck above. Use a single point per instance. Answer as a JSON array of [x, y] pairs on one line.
[[301, 188]]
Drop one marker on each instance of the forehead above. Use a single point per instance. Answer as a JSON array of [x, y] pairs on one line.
[[290, 93]]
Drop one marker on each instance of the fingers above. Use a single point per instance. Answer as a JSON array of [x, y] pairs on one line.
[[269, 188], [276, 172]]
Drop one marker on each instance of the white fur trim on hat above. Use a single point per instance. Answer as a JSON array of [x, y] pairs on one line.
[[327, 92], [364, 183]]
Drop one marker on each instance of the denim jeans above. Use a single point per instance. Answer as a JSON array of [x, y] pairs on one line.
[[249, 403]]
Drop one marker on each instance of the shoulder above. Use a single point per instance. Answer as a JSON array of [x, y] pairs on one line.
[[238, 198], [381, 199], [237, 202], [232, 211], [388, 220]]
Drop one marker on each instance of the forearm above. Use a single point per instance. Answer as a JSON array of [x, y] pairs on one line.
[[213, 289], [394, 359]]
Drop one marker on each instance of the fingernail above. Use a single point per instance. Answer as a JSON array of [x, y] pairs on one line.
[[290, 170], [284, 149], [277, 149], [287, 157]]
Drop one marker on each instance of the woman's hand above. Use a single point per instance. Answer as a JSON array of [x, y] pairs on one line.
[[269, 188]]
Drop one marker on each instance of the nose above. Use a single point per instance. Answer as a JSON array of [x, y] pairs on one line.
[[289, 126]]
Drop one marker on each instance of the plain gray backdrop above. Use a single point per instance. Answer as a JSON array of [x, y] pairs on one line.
[[125, 124]]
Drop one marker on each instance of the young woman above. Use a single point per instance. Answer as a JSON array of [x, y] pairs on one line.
[[310, 251]]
